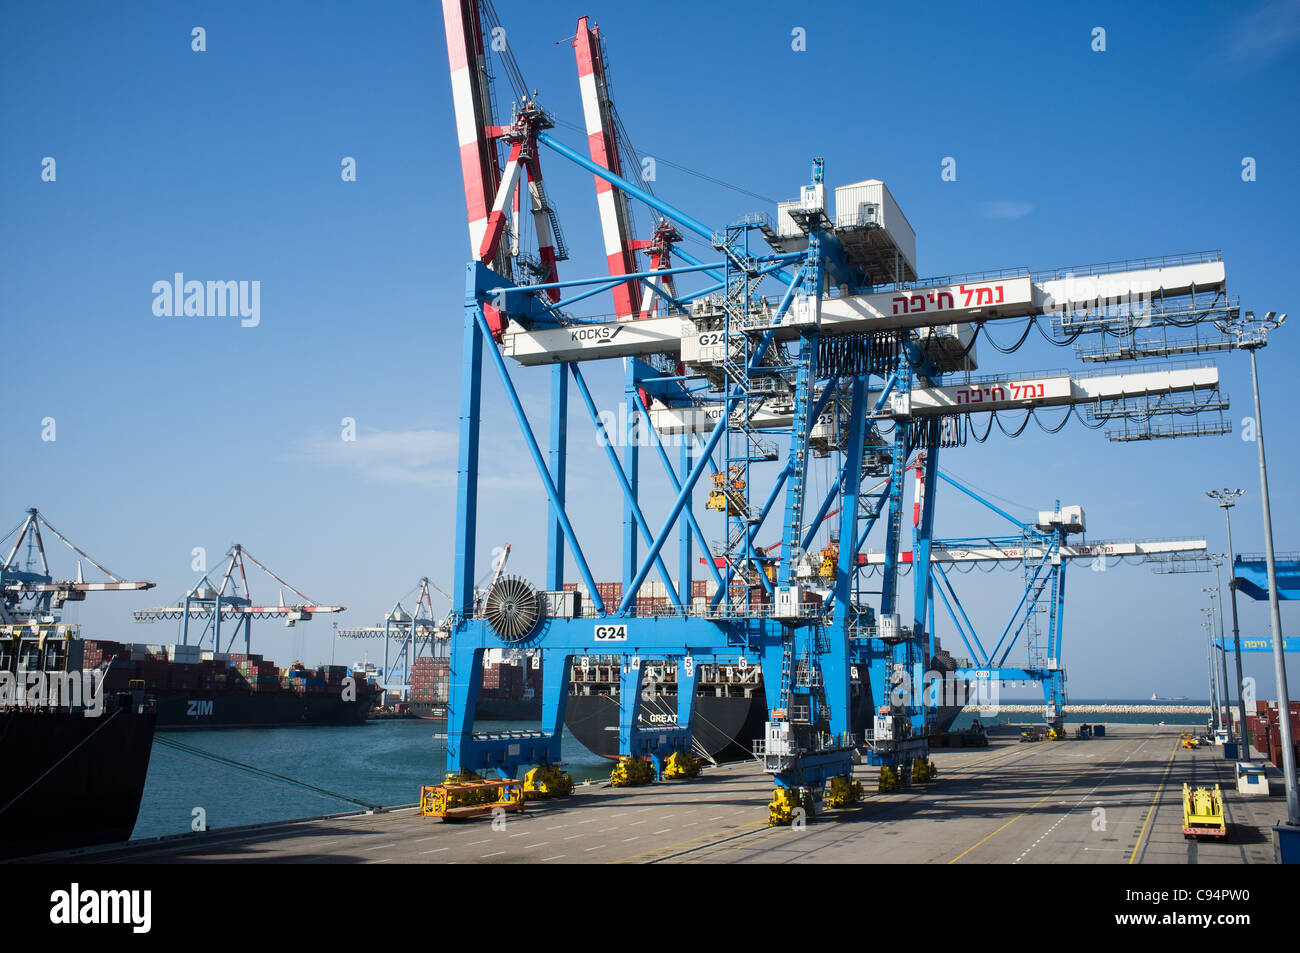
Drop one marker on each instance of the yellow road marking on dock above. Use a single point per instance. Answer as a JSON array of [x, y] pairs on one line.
[[1020, 815], [1152, 809], [1012, 821]]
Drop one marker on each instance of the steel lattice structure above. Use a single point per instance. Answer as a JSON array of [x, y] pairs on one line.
[[853, 359], [29, 594]]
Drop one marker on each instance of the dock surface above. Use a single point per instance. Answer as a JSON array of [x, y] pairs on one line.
[[1111, 800]]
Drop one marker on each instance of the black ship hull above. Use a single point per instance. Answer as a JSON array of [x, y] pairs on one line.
[[198, 709], [724, 728], [70, 781]]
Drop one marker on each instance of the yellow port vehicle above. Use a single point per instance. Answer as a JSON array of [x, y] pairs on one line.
[[1203, 812], [462, 796]]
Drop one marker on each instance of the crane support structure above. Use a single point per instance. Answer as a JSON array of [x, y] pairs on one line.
[[1252, 576], [602, 141], [986, 550], [848, 361]]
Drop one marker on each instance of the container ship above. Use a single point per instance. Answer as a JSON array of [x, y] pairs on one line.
[[75, 753], [75, 764], [194, 688], [730, 704]]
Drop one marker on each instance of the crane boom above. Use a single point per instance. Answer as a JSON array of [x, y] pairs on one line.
[[941, 302], [994, 394], [947, 553], [472, 100], [602, 141]]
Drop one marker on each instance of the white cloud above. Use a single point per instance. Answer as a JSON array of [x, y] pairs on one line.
[[1007, 209], [423, 456], [419, 457], [1265, 32]]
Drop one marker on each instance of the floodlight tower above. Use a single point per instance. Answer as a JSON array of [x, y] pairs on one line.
[[1222, 646], [1208, 625], [1251, 334], [1227, 498]]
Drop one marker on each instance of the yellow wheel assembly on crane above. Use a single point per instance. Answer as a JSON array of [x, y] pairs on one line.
[[843, 791], [923, 770], [681, 765], [785, 802], [630, 772], [547, 780], [889, 780], [781, 808]]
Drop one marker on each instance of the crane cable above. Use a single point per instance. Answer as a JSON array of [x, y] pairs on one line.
[[262, 774]]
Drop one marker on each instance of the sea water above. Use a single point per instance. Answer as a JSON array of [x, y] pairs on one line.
[[381, 762]]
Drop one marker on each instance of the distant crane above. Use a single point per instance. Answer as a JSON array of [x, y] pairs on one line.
[[1042, 550], [415, 633], [29, 595], [215, 604]]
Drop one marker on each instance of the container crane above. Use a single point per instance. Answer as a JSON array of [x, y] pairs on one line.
[[414, 633], [232, 600], [28, 594], [754, 377], [1042, 550]]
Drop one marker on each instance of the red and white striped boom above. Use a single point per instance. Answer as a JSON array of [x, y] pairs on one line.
[[602, 141], [472, 98]]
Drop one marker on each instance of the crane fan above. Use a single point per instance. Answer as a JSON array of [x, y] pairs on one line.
[[512, 608]]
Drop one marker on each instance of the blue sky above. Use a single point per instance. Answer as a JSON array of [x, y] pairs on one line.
[[178, 432]]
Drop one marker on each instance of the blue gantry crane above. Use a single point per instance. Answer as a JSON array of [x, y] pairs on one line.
[[853, 360]]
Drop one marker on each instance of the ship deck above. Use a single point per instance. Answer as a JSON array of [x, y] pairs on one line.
[[1111, 800]]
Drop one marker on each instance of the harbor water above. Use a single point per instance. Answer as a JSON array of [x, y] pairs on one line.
[[967, 718], [381, 762]]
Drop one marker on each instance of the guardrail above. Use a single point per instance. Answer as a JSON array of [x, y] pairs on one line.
[[1080, 373]]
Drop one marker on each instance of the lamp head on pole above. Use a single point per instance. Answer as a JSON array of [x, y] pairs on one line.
[[1225, 497]]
